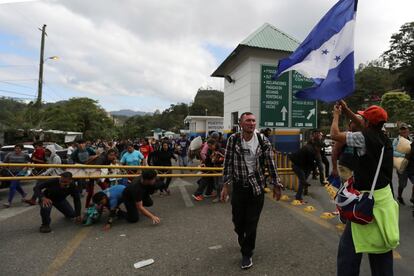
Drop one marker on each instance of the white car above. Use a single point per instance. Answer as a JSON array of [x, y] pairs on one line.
[[7, 149]]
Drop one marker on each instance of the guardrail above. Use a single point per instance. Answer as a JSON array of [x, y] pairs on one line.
[[285, 171]]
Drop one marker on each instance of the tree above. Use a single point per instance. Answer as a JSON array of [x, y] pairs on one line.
[[80, 114], [400, 56], [371, 82], [398, 106]]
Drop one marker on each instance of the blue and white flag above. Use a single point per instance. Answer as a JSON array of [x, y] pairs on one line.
[[327, 55]]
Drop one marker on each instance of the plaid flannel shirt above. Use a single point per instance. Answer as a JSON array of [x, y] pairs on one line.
[[235, 168]]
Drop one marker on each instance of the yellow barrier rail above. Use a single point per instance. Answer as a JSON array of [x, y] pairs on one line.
[[215, 170]]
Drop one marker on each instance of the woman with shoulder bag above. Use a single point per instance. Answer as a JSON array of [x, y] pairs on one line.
[[379, 235]]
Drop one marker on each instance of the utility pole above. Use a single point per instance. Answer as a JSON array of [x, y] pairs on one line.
[[40, 84]]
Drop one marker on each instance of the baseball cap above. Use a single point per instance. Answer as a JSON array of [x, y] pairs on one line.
[[374, 114], [403, 126]]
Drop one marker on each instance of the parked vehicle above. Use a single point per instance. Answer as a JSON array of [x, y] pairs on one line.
[[7, 149]]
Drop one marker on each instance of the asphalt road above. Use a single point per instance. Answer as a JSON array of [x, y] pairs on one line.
[[194, 238]]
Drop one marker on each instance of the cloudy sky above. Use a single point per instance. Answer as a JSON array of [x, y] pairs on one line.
[[147, 54]]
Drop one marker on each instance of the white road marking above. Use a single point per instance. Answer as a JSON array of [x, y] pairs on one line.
[[14, 211], [181, 182], [186, 197]]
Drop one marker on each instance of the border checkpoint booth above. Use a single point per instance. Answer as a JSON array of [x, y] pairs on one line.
[[248, 86]]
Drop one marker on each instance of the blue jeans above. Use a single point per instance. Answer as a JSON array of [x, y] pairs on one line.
[[303, 176], [63, 206], [348, 262], [183, 161], [15, 186]]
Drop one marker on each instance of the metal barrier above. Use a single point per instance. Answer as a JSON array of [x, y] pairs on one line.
[[283, 162], [215, 171]]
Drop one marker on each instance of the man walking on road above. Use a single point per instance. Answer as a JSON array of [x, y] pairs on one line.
[[247, 155]]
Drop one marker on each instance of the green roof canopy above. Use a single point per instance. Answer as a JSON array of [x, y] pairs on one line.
[[266, 37], [269, 37]]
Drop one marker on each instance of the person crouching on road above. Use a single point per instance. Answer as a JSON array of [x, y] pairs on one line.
[[51, 158], [247, 155], [380, 237], [137, 195], [53, 193]]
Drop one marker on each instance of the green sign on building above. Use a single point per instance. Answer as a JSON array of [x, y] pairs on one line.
[[274, 99], [278, 105]]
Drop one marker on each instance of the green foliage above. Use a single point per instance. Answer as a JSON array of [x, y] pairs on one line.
[[371, 82], [212, 100], [76, 114], [172, 118], [398, 106], [400, 56], [85, 115]]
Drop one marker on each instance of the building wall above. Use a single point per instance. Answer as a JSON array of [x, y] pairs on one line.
[[237, 94], [244, 94]]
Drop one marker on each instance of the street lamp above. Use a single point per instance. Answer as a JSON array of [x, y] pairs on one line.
[[206, 111]]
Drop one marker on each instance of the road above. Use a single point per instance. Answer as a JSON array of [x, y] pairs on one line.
[[194, 238]]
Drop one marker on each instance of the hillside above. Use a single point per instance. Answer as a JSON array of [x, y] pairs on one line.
[[129, 113]]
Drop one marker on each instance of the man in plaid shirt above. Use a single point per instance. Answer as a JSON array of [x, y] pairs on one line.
[[247, 155]]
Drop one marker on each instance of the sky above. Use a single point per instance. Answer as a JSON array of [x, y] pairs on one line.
[[148, 54]]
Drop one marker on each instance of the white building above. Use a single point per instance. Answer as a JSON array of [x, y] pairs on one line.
[[242, 73], [203, 125]]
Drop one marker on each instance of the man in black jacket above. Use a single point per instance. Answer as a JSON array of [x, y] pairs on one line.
[[303, 162], [54, 193]]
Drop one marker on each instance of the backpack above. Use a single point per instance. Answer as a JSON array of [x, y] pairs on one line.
[[262, 145]]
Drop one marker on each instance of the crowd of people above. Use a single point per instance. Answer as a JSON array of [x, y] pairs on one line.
[[248, 158]]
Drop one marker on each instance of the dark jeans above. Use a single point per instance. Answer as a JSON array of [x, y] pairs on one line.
[[246, 209], [36, 195], [348, 261], [205, 183], [303, 176], [165, 180], [326, 165], [402, 183], [132, 214], [63, 206]]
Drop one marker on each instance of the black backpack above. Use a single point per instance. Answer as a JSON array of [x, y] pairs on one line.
[[263, 147]]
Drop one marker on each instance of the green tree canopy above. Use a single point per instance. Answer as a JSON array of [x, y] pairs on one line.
[[400, 56], [398, 106]]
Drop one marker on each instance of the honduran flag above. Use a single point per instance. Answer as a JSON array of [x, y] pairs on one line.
[[327, 55]]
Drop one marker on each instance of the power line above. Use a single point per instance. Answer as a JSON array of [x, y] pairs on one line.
[[49, 87], [15, 84], [17, 93], [20, 80], [17, 65]]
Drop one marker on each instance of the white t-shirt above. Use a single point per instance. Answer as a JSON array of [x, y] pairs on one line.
[[249, 152]]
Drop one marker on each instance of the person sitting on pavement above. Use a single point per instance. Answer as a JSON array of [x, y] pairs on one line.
[[51, 158], [53, 193], [402, 177]]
